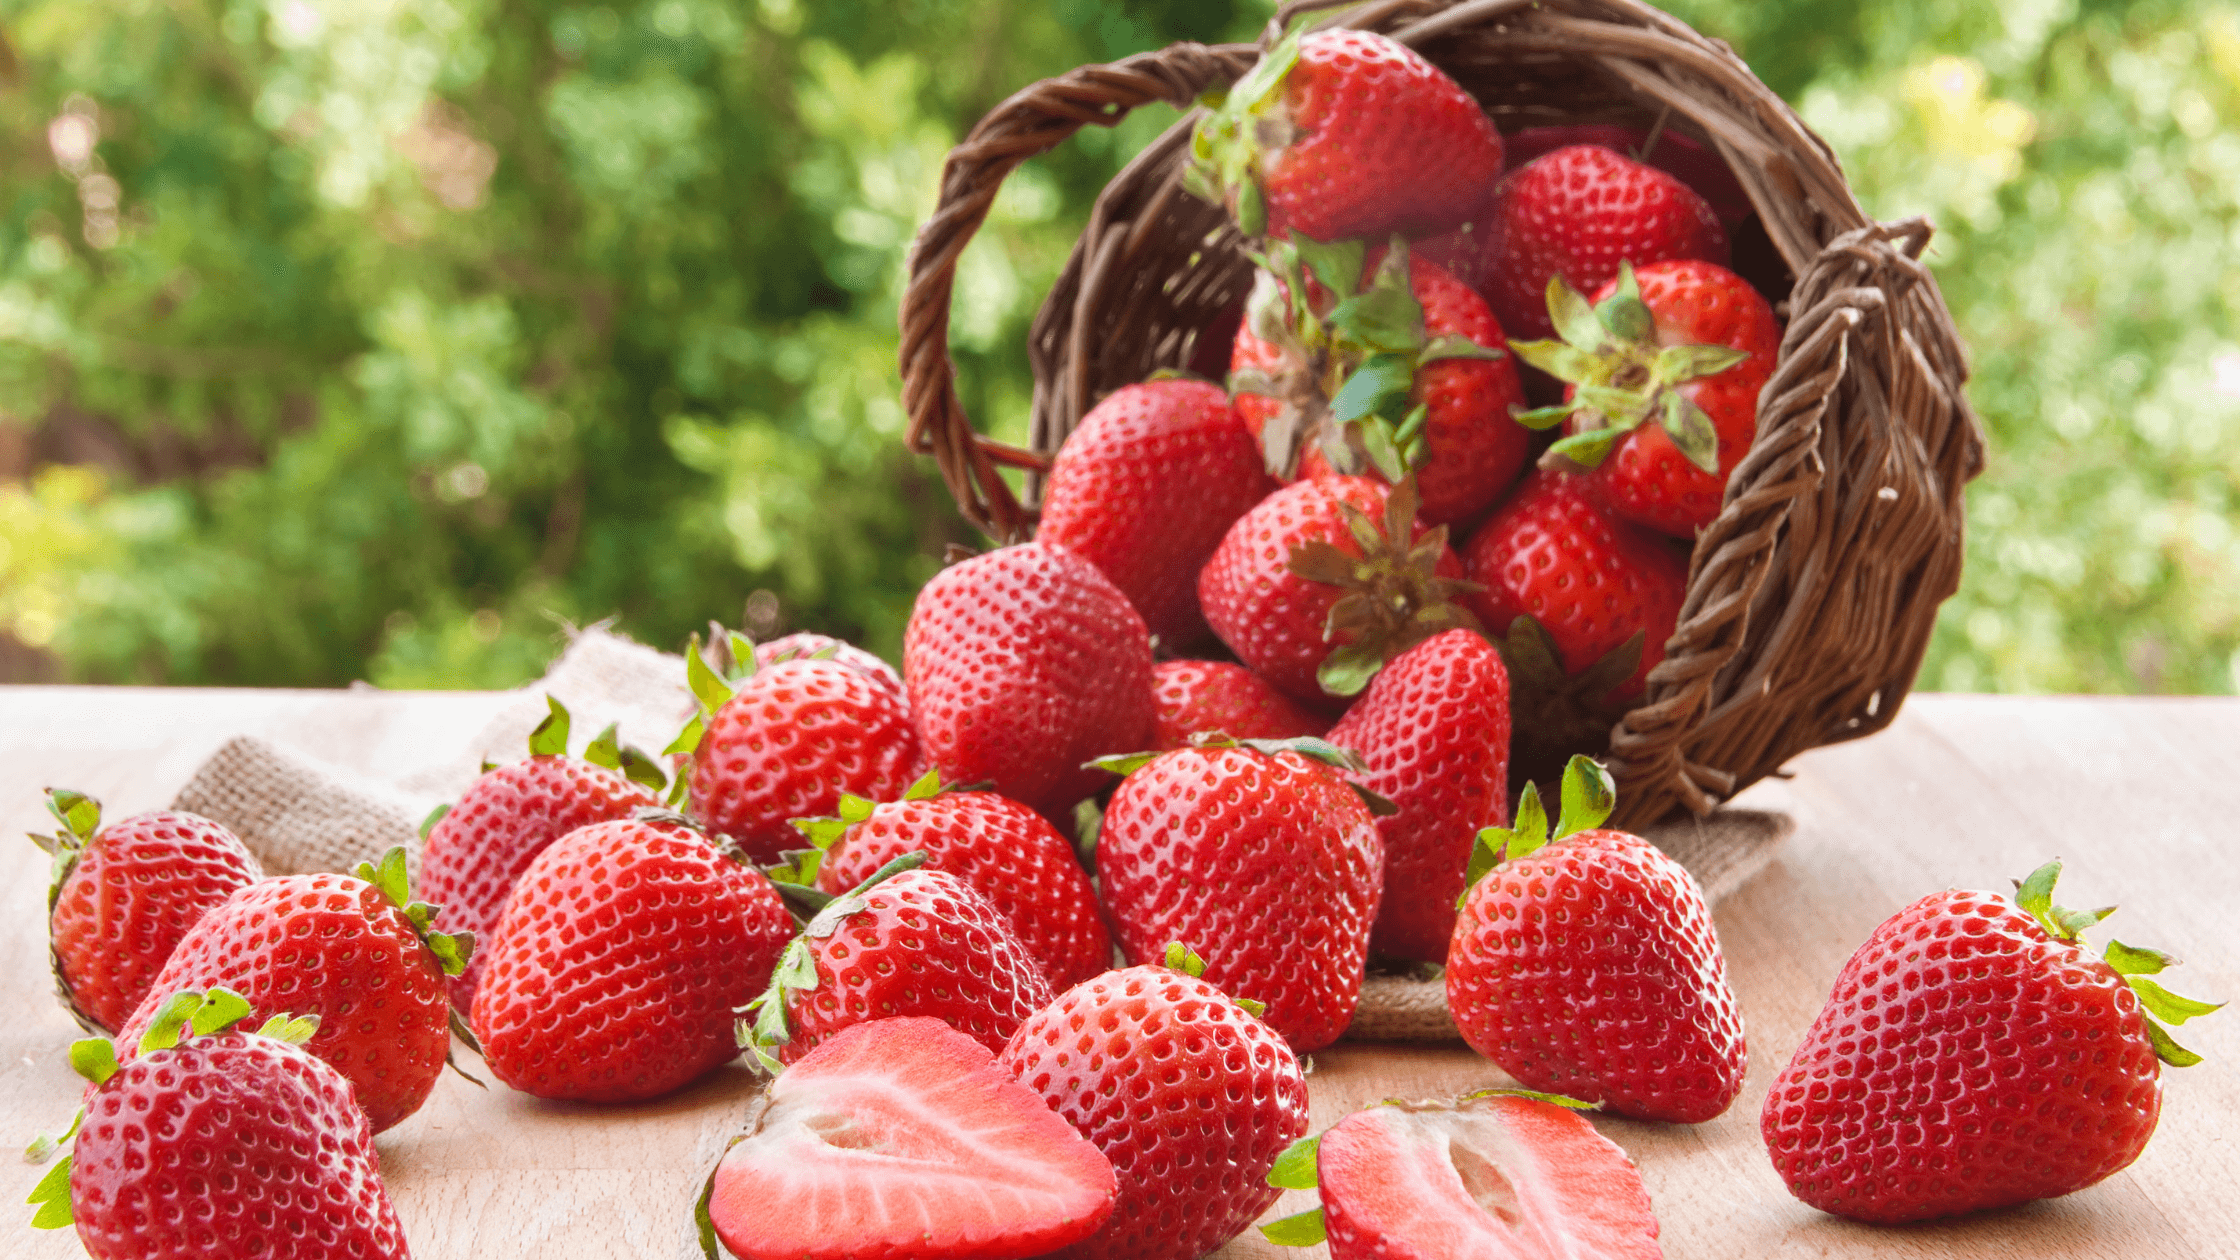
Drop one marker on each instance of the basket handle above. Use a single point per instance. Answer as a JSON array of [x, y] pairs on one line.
[[1033, 121]]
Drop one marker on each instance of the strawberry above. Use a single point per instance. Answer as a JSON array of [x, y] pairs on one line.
[[1589, 967], [1583, 604], [478, 848], [1378, 361], [1310, 594], [1345, 133], [903, 1137], [905, 941], [1189, 1095], [1145, 489], [122, 897], [824, 647], [1500, 1173], [1677, 155], [354, 952], [1973, 1055], [1577, 213], [1218, 698], [1008, 854], [1262, 854], [614, 973], [786, 742], [1433, 730], [1024, 663], [214, 1141], [1688, 344]]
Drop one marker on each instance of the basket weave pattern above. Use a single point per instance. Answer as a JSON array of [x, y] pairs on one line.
[[1812, 595]]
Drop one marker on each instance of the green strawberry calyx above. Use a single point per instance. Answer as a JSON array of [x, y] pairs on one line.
[[796, 971], [1352, 347], [2034, 896], [1182, 958], [451, 949], [1556, 712], [799, 867], [1312, 747], [1622, 376], [1394, 597], [606, 750], [1239, 127], [1589, 794], [80, 816], [205, 1014], [1298, 1168]]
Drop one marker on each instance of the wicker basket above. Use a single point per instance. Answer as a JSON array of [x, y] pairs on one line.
[[1810, 598]]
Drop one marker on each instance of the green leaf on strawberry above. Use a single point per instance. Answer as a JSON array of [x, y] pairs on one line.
[[1589, 795], [2034, 895], [550, 738]]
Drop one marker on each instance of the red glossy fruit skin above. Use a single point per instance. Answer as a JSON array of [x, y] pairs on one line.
[[1008, 854], [1645, 478], [1965, 1061], [1268, 866], [1677, 155], [618, 964], [1592, 580], [999, 1176], [138, 887], [1590, 968], [1414, 1181], [1145, 488], [805, 644], [924, 944], [789, 742], [332, 946], [1216, 697], [229, 1145], [1383, 141], [1579, 212], [1476, 449], [1434, 728], [502, 822], [1190, 1098], [1024, 664], [1271, 617]]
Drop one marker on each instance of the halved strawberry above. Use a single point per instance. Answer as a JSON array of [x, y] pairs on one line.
[[903, 1137], [1504, 1175]]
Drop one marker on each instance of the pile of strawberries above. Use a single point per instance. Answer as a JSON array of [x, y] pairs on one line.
[[1033, 934]]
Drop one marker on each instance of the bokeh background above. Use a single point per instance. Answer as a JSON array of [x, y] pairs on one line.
[[376, 339]]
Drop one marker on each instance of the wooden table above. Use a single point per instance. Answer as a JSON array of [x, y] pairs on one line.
[[2137, 795]]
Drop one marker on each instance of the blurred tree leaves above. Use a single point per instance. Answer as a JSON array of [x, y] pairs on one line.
[[365, 337]]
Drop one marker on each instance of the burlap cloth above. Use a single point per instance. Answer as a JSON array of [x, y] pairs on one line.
[[298, 813]]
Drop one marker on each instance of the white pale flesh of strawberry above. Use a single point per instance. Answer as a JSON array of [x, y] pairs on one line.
[[902, 1137], [1504, 1178]]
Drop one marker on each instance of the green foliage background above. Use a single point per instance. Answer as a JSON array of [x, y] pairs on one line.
[[367, 338]]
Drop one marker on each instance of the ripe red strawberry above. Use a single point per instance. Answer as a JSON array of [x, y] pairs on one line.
[[1218, 698], [1504, 1173], [825, 647], [786, 742], [970, 1163], [1677, 155], [216, 1141], [1577, 213], [1265, 860], [478, 848], [1024, 663], [1589, 967], [1189, 1095], [1345, 133], [1973, 1055], [1376, 362], [1311, 597], [621, 958], [1433, 730], [122, 897], [903, 942], [1665, 370], [1590, 582], [354, 952], [1008, 854], [1145, 489]]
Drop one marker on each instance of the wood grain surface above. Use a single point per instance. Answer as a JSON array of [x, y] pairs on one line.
[[2138, 796]]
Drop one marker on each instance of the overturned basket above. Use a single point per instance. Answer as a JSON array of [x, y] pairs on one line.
[[1810, 598]]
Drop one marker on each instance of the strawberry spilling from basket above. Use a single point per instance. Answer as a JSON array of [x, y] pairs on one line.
[[1032, 937]]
